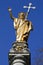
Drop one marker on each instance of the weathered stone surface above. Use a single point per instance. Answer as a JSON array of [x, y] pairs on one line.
[[19, 57]]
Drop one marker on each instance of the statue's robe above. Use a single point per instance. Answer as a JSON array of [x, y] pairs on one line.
[[23, 28]]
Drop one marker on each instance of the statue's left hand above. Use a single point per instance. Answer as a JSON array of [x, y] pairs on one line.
[[9, 9]]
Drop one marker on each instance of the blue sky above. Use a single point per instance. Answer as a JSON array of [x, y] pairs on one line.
[[7, 32]]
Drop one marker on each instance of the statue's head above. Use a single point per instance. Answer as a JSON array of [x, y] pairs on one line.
[[21, 15]]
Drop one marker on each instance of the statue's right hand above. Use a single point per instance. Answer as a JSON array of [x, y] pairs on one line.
[[9, 9]]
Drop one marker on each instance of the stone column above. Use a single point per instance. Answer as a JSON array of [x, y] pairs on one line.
[[19, 54]]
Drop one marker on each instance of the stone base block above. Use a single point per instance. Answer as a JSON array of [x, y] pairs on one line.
[[19, 56]]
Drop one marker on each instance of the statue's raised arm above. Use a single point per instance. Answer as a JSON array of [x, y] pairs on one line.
[[10, 12], [15, 20]]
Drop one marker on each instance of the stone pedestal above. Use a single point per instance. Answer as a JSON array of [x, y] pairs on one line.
[[19, 54]]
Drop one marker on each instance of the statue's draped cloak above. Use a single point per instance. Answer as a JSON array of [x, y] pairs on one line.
[[23, 28]]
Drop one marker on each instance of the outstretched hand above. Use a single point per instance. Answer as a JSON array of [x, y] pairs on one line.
[[9, 9]]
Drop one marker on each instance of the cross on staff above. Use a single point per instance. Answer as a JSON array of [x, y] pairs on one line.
[[29, 7]]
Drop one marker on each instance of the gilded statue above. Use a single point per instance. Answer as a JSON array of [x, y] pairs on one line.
[[22, 26]]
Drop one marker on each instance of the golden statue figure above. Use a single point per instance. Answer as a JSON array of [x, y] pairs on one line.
[[22, 26]]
